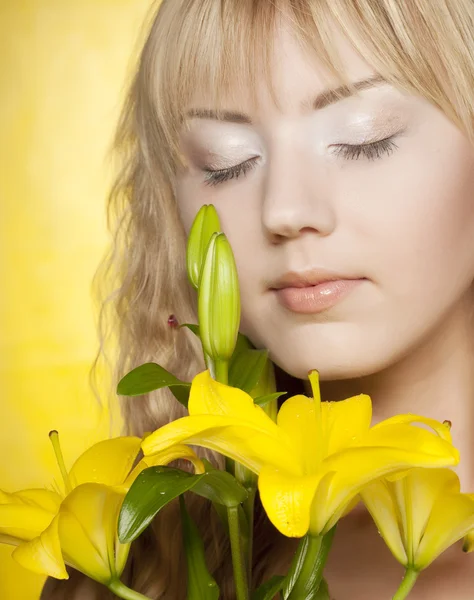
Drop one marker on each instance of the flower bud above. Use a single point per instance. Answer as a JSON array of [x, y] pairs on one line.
[[204, 225], [219, 300]]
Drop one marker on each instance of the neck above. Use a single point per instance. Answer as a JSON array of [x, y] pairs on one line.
[[436, 379]]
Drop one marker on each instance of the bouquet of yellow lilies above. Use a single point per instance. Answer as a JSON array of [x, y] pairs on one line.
[[310, 461]]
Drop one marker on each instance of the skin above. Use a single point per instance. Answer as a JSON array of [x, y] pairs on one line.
[[404, 221]]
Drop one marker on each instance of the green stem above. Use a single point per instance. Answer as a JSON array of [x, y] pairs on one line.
[[241, 558], [240, 579], [222, 371], [309, 563], [122, 591], [248, 507], [406, 585]]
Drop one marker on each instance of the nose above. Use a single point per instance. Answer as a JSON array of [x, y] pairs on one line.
[[296, 200]]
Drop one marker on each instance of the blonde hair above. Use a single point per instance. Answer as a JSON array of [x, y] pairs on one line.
[[425, 47]]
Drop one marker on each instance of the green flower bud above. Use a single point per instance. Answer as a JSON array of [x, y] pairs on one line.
[[219, 300], [204, 225]]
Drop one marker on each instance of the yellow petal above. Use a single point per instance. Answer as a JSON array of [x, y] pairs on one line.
[[321, 511], [415, 496], [346, 422], [380, 503], [251, 444], [451, 519], [43, 554], [300, 418], [209, 397], [41, 498], [25, 515], [286, 499], [108, 462], [179, 451], [88, 529], [441, 429], [318, 429], [437, 449], [395, 448]]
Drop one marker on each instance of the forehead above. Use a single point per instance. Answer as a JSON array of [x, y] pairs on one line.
[[296, 75]]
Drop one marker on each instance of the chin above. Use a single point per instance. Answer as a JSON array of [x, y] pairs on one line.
[[345, 363]]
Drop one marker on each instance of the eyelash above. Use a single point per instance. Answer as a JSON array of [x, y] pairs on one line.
[[372, 151]]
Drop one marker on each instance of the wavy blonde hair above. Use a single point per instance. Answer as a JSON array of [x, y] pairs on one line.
[[425, 47]]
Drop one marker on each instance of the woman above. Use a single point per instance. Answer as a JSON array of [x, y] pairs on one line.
[[335, 140]]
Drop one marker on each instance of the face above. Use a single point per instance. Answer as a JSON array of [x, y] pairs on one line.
[[374, 191]]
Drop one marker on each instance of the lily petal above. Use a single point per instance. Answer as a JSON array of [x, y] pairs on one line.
[[41, 498], [179, 451], [87, 530], [441, 429], [300, 418], [43, 554], [346, 422], [437, 449], [380, 503], [25, 515], [251, 444], [209, 397], [107, 462], [451, 519], [402, 447], [415, 495], [287, 499]]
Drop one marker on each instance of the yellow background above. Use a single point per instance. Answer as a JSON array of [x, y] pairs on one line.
[[62, 71]]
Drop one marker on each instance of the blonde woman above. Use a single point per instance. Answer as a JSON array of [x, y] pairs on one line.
[[335, 138]]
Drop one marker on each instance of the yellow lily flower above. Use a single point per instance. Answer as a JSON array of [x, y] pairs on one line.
[[420, 515], [315, 459], [78, 526]]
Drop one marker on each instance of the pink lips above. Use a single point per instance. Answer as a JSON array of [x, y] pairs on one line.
[[310, 299]]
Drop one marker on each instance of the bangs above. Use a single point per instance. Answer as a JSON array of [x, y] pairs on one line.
[[221, 50]]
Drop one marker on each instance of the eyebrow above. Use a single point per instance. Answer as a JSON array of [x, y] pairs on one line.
[[325, 98]]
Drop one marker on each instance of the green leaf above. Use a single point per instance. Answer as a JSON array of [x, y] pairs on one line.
[[156, 486], [246, 369], [221, 510], [242, 343], [221, 487], [181, 393], [263, 400], [153, 489], [193, 327], [147, 378], [268, 589], [303, 580], [323, 591], [200, 583]]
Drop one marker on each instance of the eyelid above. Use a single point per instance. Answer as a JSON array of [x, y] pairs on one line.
[[213, 169], [217, 176]]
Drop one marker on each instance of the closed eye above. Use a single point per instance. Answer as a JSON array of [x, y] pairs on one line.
[[217, 176], [372, 151]]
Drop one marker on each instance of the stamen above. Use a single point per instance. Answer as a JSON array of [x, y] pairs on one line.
[[54, 437], [314, 381], [448, 424]]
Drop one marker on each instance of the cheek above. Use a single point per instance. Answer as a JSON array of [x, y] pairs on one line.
[[419, 227]]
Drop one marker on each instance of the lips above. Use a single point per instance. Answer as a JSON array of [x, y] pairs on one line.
[[314, 291]]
